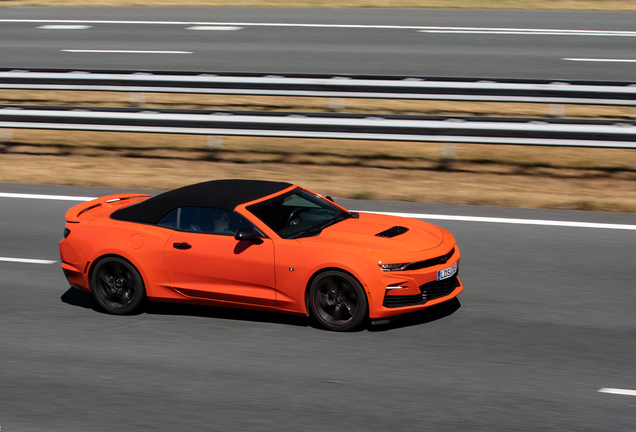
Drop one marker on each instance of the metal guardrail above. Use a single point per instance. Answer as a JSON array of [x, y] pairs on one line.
[[349, 86], [475, 130]]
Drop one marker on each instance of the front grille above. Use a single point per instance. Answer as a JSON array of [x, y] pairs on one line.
[[437, 289], [430, 291], [401, 301]]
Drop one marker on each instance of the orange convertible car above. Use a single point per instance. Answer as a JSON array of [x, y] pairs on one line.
[[259, 245]]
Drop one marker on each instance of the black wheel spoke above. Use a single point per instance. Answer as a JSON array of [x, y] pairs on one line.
[[337, 313], [324, 299], [347, 308], [106, 279], [123, 297]]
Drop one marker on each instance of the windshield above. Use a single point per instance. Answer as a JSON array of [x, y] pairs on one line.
[[298, 213]]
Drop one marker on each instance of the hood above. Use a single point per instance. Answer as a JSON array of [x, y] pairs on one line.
[[362, 233]]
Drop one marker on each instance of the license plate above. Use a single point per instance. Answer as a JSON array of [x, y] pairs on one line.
[[446, 273]]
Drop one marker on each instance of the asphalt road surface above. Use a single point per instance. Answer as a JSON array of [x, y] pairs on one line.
[[556, 45], [546, 320]]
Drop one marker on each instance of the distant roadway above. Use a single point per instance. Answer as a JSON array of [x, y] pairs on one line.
[[541, 339], [420, 42]]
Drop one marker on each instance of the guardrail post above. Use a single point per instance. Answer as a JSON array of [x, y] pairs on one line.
[[137, 99], [556, 110], [6, 139], [449, 155], [215, 146], [336, 104]]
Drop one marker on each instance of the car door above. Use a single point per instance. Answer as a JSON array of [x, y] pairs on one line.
[[202, 263]]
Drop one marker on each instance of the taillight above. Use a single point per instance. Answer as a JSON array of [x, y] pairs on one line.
[[66, 232]]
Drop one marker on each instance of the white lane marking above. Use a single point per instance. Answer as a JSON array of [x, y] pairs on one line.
[[344, 26], [539, 32], [45, 197], [511, 221], [618, 391], [27, 261], [64, 27], [125, 51], [600, 60], [411, 215], [220, 28]]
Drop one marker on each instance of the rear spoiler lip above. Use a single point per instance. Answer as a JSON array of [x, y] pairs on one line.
[[72, 215]]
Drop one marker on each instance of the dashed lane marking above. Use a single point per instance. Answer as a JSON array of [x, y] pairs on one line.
[[64, 27], [598, 60], [615, 391], [124, 51], [217, 28], [429, 29], [45, 197], [535, 32], [27, 260]]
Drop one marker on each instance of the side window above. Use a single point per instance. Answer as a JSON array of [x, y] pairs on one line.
[[204, 220], [170, 220]]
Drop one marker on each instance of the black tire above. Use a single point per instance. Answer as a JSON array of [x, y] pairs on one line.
[[337, 301], [117, 286]]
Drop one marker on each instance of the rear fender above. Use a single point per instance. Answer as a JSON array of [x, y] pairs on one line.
[[99, 206]]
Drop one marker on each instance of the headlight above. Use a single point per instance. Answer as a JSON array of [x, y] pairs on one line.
[[393, 267]]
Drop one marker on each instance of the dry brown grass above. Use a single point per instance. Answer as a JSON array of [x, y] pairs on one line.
[[470, 4], [485, 175], [482, 188]]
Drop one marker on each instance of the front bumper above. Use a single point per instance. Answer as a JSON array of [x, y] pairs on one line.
[[411, 302], [400, 292], [428, 291]]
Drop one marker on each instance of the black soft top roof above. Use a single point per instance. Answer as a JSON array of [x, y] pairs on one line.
[[220, 194]]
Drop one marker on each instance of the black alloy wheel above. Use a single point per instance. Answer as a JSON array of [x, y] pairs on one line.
[[337, 301], [117, 286]]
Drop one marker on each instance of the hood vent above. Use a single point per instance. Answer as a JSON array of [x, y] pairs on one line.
[[393, 232]]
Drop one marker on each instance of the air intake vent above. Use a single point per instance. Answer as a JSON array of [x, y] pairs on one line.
[[393, 232]]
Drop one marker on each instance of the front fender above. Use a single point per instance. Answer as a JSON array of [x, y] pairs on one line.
[[296, 265]]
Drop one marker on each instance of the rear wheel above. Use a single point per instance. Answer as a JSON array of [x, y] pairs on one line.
[[337, 301], [117, 286]]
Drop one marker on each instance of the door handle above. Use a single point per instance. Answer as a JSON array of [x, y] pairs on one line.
[[181, 245]]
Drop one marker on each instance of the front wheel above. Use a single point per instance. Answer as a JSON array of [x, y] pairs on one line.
[[117, 286], [337, 301]]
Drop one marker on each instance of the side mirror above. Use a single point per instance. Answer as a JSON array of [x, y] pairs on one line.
[[247, 234], [329, 198]]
